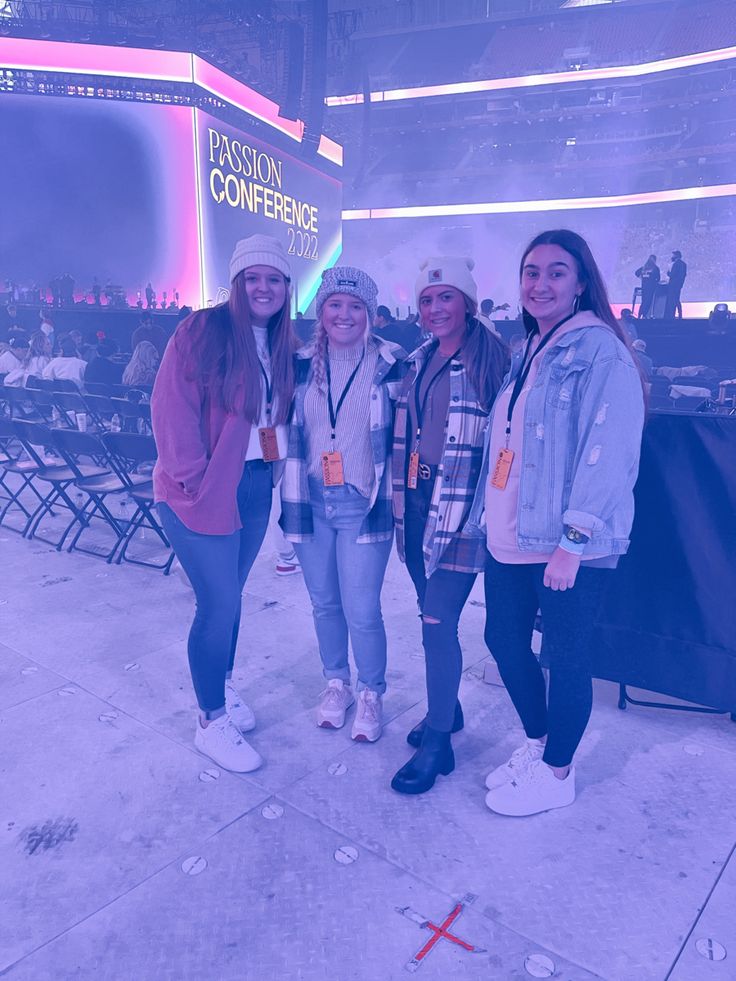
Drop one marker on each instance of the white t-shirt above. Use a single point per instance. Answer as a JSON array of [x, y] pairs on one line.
[[254, 451], [8, 362], [68, 369]]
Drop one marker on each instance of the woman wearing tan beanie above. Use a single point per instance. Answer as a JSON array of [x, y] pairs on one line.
[[441, 419]]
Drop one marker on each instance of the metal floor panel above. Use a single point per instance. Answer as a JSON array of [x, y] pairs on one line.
[[93, 802], [273, 904], [612, 883]]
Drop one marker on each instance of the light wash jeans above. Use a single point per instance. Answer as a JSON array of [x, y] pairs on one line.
[[344, 580]]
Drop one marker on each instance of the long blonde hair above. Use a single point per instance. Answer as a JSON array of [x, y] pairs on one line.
[[141, 369]]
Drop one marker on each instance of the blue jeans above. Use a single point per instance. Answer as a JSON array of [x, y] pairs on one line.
[[344, 580], [217, 567]]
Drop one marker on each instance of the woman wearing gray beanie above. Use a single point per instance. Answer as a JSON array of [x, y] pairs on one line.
[[219, 409], [336, 492], [438, 447]]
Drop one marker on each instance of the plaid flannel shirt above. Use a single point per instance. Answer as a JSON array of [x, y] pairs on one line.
[[445, 544], [296, 511]]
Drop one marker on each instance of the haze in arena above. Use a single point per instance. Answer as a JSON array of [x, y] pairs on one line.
[[368, 490]]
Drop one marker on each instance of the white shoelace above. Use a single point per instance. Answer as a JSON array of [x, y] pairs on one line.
[[333, 697], [523, 755], [369, 707], [229, 732]]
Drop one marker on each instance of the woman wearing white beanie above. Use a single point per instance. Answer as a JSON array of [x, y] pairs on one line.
[[219, 409], [441, 419]]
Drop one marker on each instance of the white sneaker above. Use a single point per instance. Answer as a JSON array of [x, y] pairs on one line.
[[521, 757], [533, 790], [335, 700], [368, 722], [222, 742], [236, 708], [287, 565]]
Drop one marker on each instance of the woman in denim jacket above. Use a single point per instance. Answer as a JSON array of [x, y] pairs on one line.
[[555, 502]]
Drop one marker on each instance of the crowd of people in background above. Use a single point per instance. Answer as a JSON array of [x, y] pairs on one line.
[[90, 358]]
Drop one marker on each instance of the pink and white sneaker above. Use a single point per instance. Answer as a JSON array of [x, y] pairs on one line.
[[334, 702]]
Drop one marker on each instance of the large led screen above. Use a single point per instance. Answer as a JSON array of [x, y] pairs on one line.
[[248, 187], [130, 194], [99, 189]]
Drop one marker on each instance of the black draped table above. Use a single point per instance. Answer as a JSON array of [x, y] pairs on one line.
[[669, 619]]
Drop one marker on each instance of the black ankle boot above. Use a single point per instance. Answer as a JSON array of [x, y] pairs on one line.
[[434, 756], [415, 736]]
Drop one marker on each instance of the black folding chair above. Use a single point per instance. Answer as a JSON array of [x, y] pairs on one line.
[[17, 402], [100, 408], [72, 409], [96, 481], [64, 385], [42, 400], [129, 454], [131, 413], [34, 438], [98, 388], [15, 470]]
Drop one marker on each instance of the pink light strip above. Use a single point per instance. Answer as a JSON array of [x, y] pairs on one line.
[[243, 97], [94, 59], [531, 81], [552, 204], [238, 94], [24, 54]]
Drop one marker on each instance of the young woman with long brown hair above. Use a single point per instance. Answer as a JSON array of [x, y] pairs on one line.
[[441, 419], [219, 408], [559, 469]]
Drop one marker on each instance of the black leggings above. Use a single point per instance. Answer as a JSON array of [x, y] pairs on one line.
[[514, 593], [441, 598]]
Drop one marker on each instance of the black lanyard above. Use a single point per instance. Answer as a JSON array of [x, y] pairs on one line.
[[269, 391], [334, 411], [420, 406], [525, 368]]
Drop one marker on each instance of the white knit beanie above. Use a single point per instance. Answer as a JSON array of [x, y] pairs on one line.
[[447, 271], [259, 250]]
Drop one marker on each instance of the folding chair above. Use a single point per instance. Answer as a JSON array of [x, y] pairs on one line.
[[42, 399], [72, 409], [98, 388], [16, 401], [22, 470], [96, 481], [131, 412], [32, 436], [100, 409], [128, 452]]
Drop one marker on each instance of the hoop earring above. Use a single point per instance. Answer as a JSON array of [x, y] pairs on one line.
[[576, 304]]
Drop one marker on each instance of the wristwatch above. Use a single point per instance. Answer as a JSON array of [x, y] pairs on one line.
[[574, 536]]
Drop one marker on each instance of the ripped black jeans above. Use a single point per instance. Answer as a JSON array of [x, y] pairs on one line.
[[441, 599]]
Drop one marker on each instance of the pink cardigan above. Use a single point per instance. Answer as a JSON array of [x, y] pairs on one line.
[[201, 448]]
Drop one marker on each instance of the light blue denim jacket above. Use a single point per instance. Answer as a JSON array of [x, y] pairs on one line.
[[583, 421]]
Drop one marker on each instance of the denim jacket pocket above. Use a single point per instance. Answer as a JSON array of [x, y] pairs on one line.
[[562, 385]]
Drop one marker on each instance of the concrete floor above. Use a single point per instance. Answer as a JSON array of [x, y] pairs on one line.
[[125, 854]]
